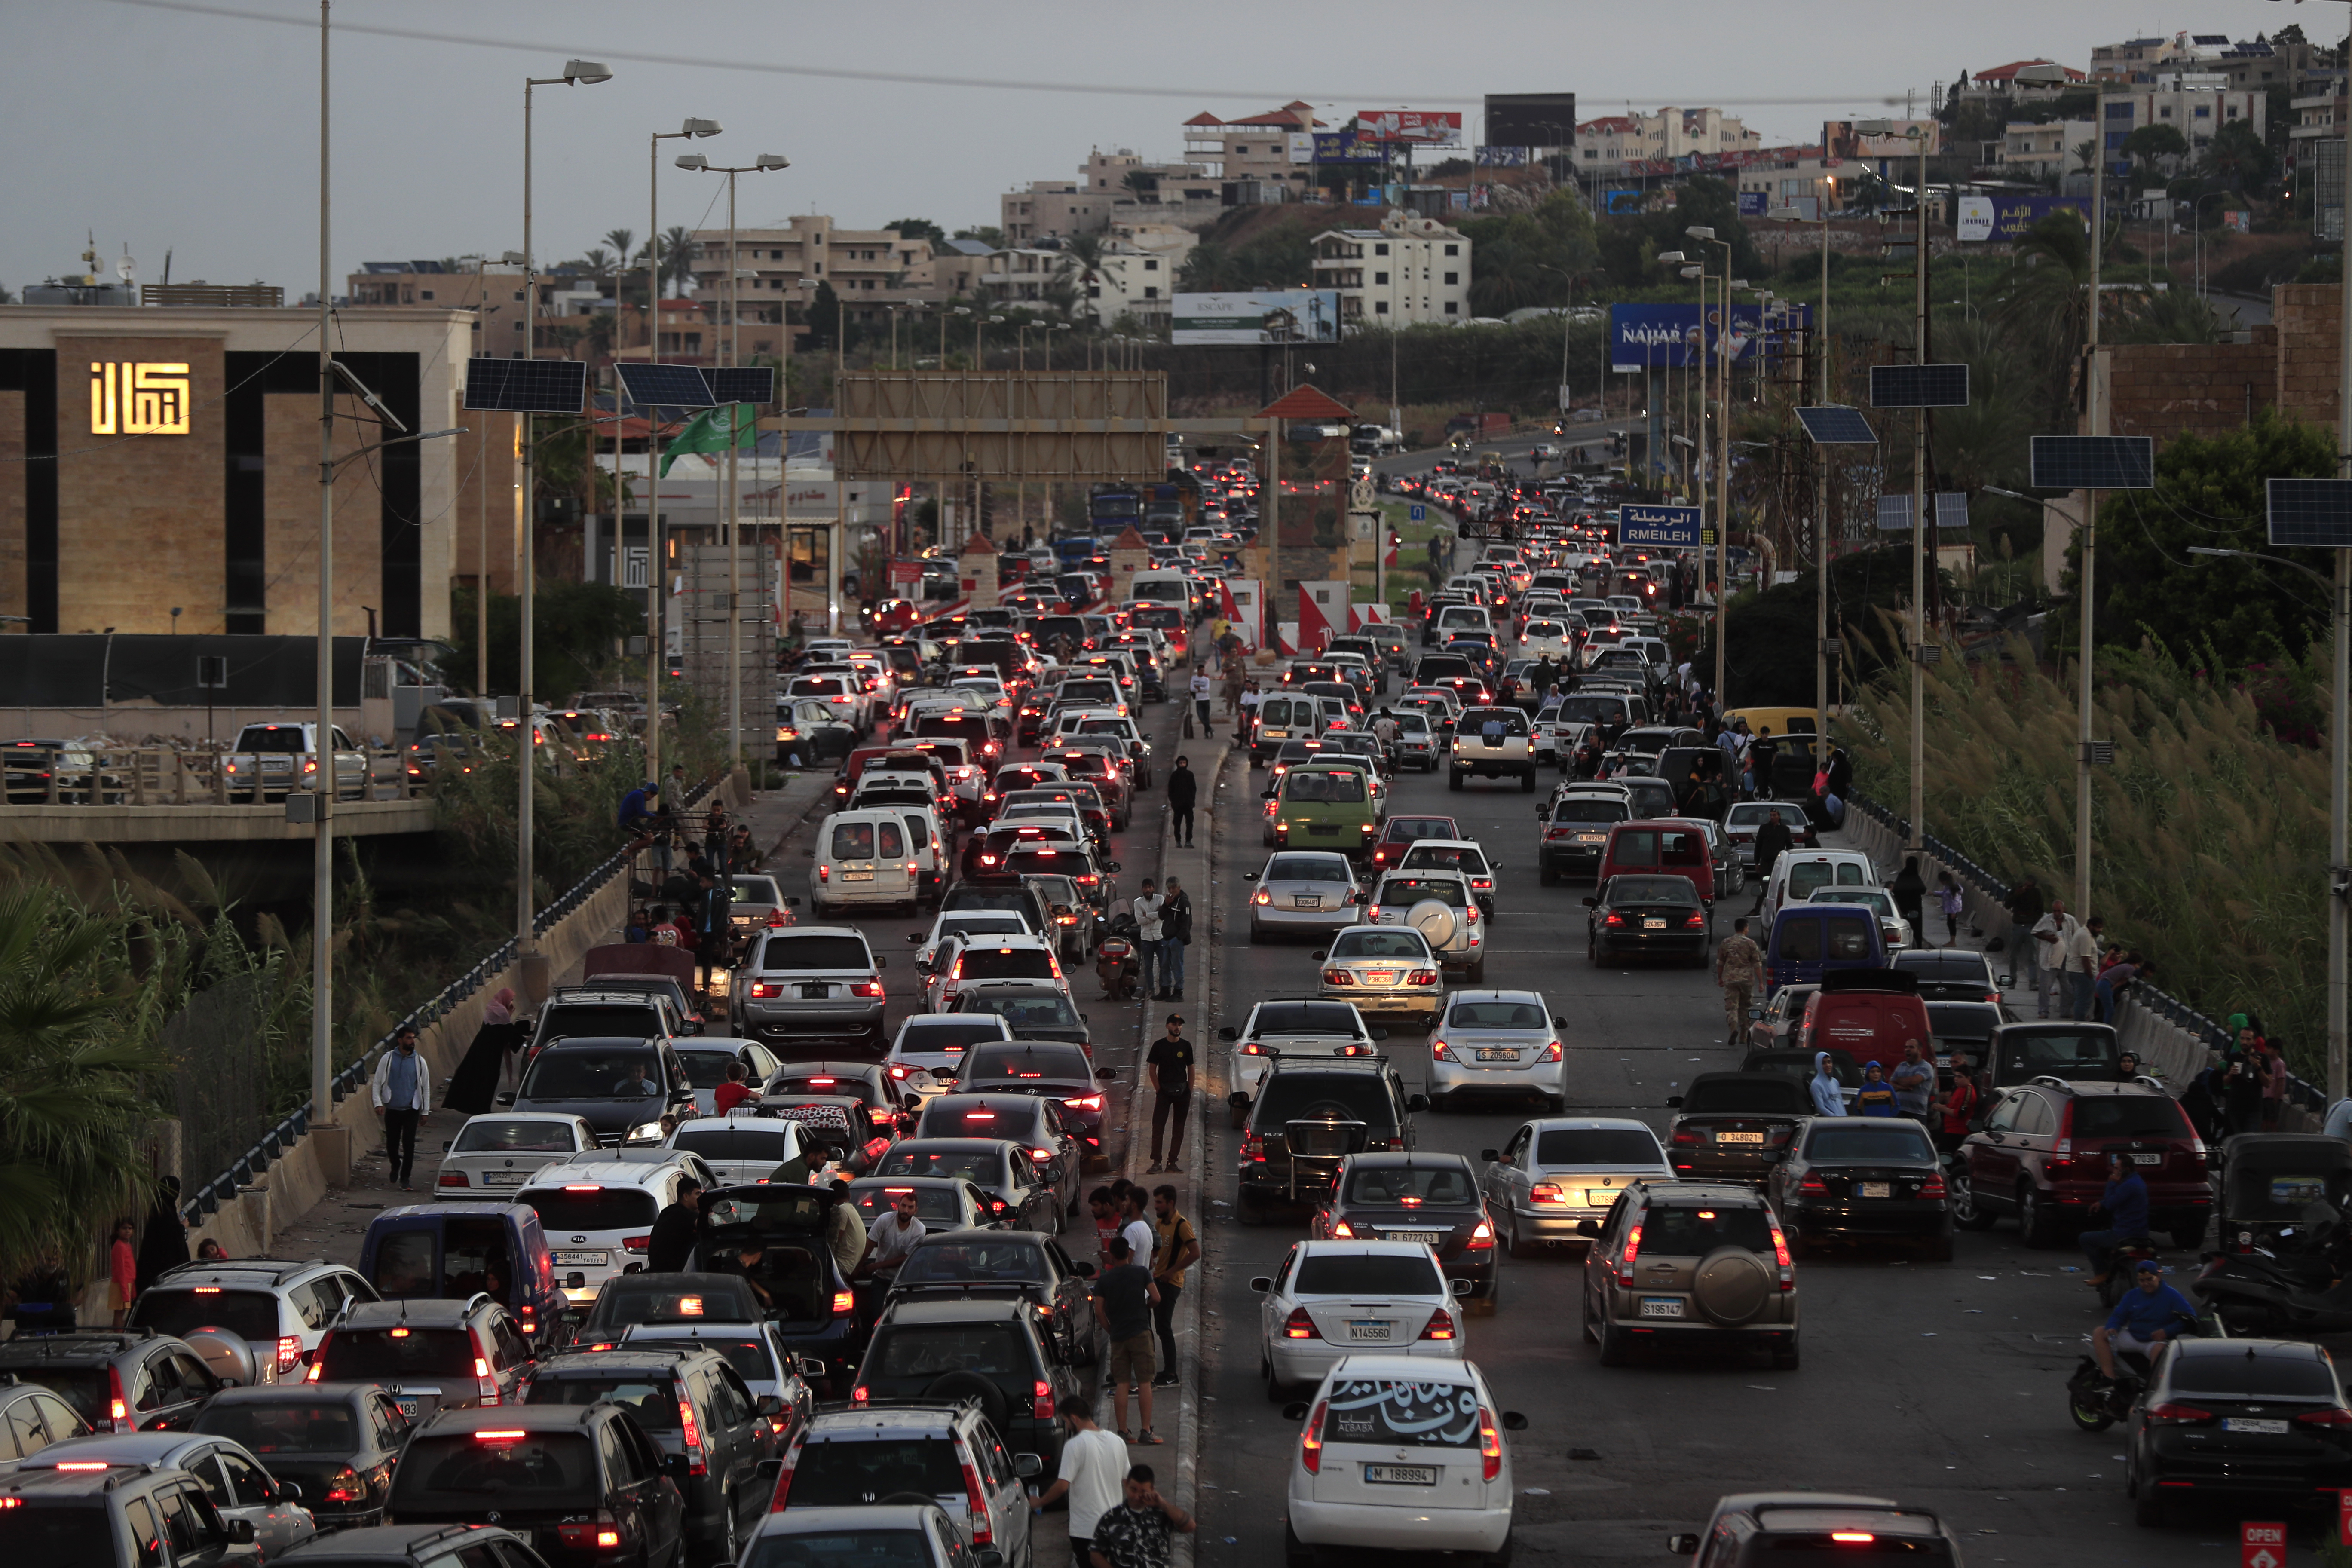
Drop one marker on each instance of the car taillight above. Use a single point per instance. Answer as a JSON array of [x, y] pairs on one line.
[[601, 1535], [452, 1179], [844, 1303], [1614, 919], [290, 1353], [1625, 1264], [1933, 1187], [1439, 1051], [1041, 1155], [1343, 1230], [317, 1363], [1780, 1256], [1299, 1326], [1547, 1193], [2172, 1415], [824, 873], [1310, 1439], [636, 1242], [695, 1463], [118, 1408], [1337, 977], [763, 989], [860, 1395], [1086, 1101], [1685, 1135], [1482, 1239], [866, 988], [486, 1387], [1694, 920], [346, 1486], [781, 1497], [1813, 1186], [1254, 1147], [775, 922], [1250, 1049], [1440, 1325], [1490, 1444], [1041, 1400], [2337, 1417]]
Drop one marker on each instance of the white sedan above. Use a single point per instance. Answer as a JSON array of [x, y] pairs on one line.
[[1330, 1297], [1402, 1453]]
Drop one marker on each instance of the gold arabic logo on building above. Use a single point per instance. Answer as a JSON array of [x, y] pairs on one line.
[[130, 398]]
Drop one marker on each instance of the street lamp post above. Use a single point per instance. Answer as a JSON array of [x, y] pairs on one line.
[[1822, 483], [656, 577]]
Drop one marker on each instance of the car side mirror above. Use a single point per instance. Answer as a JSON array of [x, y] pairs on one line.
[[1492, 1156], [1319, 954], [915, 936], [810, 1366], [1110, 866], [1378, 1032], [1682, 1546], [288, 1491], [506, 1099], [1513, 1422], [1028, 1466], [881, 963], [2006, 981], [1262, 1284], [1266, 794], [769, 1469], [1249, 876], [447, 1144], [1459, 1287], [768, 1404], [1229, 1033], [1295, 1411], [1558, 1023], [1106, 1075], [1587, 1227], [240, 1531], [1592, 903], [1416, 1102], [1083, 1270], [1673, 1102]]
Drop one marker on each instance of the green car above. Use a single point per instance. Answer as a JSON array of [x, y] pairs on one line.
[[1325, 805]]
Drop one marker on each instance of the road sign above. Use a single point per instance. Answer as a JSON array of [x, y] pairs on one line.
[[1667, 527], [2262, 1545], [2093, 462], [212, 671], [1417, 512]]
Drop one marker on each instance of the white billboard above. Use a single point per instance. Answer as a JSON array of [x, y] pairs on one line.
[[1265, 316]]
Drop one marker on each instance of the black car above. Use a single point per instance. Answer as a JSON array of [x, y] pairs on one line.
[[1862, 1178], [1018, 1193], [888, 1107], [1035, 1123], [407, 1546], [806, 1297], [583, 1483], [1734, 1126], [1310, 1115], [2074, 1052], [1032, 1009], [1646, 917], [1407, 1196], [1949, 973], [959, 1263], [995, 1351], [1048, 1068], [2239, 1420], [340, 1442], [1962, 1026], [666, 1298], [694, 1404]]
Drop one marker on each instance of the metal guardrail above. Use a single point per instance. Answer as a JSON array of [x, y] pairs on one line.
[[2163, 1004], [242, 1172], [175, 776]]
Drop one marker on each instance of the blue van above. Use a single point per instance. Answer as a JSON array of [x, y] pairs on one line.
[[452, 1250], [1809, 940]]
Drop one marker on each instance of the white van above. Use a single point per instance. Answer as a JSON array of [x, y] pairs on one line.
[[1282, 718], [1165, 588], [1461, 618], [926, 839], [1801, 873], [863, 858]]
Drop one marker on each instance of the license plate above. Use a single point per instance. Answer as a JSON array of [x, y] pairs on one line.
[[857, 876], [2147, 1159], [1588, 838], [1661, 1307], [1360, 1331], [581, 1260], [814, 990], [2252, 1424], [1401, 1475], [1497, 1054], [1428, 1237], [1323, 828], [1653, 925], [1740, 1137], [1600, 1197], [1380, 976], [408, 1407], [1308, 901], [505, 1178], [1878, 1189]]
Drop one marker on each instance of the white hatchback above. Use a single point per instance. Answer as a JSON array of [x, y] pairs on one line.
[[1397, 1453], [1330, 1297]]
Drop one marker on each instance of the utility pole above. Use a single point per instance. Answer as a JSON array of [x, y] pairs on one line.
[[323, 850], [1922, 526]]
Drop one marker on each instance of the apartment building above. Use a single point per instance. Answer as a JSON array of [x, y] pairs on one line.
[[2040, 151], [2001, 81], [1137, 275], [1784, 177], [495, 293], [1274, 151], [1617, 144], [2195, 103], [1408, 271]]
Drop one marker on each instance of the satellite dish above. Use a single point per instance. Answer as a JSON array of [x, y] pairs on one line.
[[125, 268]]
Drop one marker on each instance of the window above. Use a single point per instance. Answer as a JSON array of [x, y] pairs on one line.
[[1151, 290], [2165, 112], [428, 294], [1380, 276], [1452, 277], [1380, 307], [1152, 264], [2202, 111], [1380, 250], [1453, 250], [1453, 308]]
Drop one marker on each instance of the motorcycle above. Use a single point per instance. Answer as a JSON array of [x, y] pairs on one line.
[[1118, 962], [2098, 1402], [2276, 1302]]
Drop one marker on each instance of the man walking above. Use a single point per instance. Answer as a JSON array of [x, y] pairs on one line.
[[2053, 935], [1149, 934], [1761, 753], [2024, 907], [1914, 1078], [2083, 967], [1178, 1250], [400, 1091], [1124, 1297], [1184, 791], [1772, 841], [1738, 969], [1176, 926], [1201, 694], [1093, 1461], [1169, 1066]]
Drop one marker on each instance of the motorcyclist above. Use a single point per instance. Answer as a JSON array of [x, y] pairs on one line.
[[2149, 1315], [2125, 1201]]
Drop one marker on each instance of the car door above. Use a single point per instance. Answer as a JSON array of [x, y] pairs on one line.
[[1504, 1184], [1601, 1259], [198, 1537], [663, 1505], [1008, 1499], [1993, 1156], [747, 1440], [1274, 1307], [278, 1525]]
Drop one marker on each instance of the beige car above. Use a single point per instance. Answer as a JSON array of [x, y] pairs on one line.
[[1689, 1262], [1387, 971]]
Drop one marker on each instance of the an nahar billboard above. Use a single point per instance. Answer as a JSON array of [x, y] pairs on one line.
[[1268, 316], [1660, 337], [1430, 127]]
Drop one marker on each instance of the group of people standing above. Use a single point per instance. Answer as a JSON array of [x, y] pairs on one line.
[[2068, 963], [1163, 924]]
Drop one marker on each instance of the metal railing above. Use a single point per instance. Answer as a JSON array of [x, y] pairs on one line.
[[243, 1171], [174, 775]]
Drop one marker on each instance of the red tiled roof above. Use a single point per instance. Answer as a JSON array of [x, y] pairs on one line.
[[2009, 72], [1285, 117], [1613, 123], [1306, 402], [1129, 539]]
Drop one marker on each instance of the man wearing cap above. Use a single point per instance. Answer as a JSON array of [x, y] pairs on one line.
[[2125, 1203], [2149, 1314]]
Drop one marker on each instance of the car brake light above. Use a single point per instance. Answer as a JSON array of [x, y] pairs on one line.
[[636, 1242], [1685, 1135], [1337, 977], [1440, 1325], [2336, 1416], [866, 988], [1041, 1155], [1254, 1147], [1041, 1400], [824, 873], [1490, 1444], [1625, 1264], [1812, 1187], [500, 1437], [1852, 1537], [603, 1534], [486, 1387], [2172, 1415], [1250, 1049], [1694, 920], [1299, 1326], [763, 989], [1614, 919], [584, 1187], [118, 1408], [1547, 1193], [844, 1303], [289, 1352], [1933, 1187], [1086, 1102], [1483, 1239], [346, 1486]]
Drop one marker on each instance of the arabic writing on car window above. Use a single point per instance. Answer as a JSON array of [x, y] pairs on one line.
[[1382, 1410]]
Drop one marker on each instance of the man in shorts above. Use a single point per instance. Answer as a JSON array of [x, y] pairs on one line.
[[1124, 1297]]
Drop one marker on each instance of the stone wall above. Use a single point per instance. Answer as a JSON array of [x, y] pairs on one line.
[[2309, 320], [2166, 390]]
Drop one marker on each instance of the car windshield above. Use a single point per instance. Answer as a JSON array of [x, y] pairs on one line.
[[586, 1073], [652, 1398], [1002, 1064], [1877, 901], [1006, 1116], [2129, 1116], [460, 1473], [1408, 890], [721, 1140], [1024, 1011], [1651, 890], [1409, 1185], [1734, 1095], [1361, 1097], [313, 1426], [588, 1020], [1305, 1018], [981, 962], [981, 1167], [1451, 856], [1588, 810], [1378, 941], [1903, 1141], [392, 1353], [1306, 868], [1593, 709], [1340, 787], [946, 1036], [1367, 1274], [935, 1205], [1385, 1413], [2255, 1375], [814, 952], [704, 1069], [589, 1208], [1806, 877], [847, 1472], [1694, 1232], [521, 1135], [1598, 1146], [849, 1548], [2090, 1054], [933, 1350], [1495, 1016], [250, 1314], [1962, 1020]]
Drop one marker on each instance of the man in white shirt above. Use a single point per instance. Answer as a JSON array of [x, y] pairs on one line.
[[1201, 694], [2053, 939], [1149, 935], [1093, 1473], [892, 1237], [2082, 970], [1141, 1239]]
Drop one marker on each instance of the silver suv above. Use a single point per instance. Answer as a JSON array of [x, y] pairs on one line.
[[806, 989], [281, 1308], [945, 1449]]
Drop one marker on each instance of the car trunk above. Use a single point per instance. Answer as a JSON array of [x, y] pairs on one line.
[[415, 1364], [1491, 1050], [795, 1270], [1858, 1186], [1445, 1231], [1731, 1144], [1397, 1444], [851, 1472], [533, 1480]]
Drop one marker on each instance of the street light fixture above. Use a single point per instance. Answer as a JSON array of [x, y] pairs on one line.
[[1722, 453]]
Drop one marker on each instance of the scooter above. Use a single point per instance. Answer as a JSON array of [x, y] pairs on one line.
[[2279, 1305], [1119, 962], [2098, 1402]]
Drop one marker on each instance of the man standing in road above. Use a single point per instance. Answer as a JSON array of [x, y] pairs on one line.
[[1738, 969], [1183, 792], [401, 1092], [2083, 967], [1149, 934], [2024, 907], [1169, 1066], [1772, 841], [1134, 1534], [1176, 926], [844, 1236], [1761, 753], [2053, 935], [891, 1240], [1124, 1297], [671, 1246], [1178, 1250], [1092, 1463], [1201, 694], [1914, 1078]]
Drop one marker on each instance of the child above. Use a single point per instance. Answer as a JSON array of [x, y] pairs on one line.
[[1948, 899], [1876, 1096], [125, 1269]]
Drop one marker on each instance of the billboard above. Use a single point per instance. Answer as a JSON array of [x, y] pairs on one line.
[[1347, 147], [1840, 139], [2008, 217], [1661, 527], [1752, 204], [1302, 146], [1668, 336], [1429, 127], [1266, 316], [1619, 200], [1531, 119], [1503, 157]]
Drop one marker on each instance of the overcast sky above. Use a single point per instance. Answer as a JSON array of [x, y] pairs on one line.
[[180, 124]]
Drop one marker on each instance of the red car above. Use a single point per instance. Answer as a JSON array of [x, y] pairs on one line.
[[1400, 833], [894, 615]]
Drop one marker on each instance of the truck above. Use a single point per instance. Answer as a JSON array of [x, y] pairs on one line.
[[1376, 441], [1112, 507]]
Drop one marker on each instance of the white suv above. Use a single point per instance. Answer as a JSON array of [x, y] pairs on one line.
[[598, 1213], [281, 1308]]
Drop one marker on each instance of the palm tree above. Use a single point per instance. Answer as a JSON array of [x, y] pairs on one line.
[[677, 256], [623, 242], [599, 263], [2044, 299], [1082, 256]]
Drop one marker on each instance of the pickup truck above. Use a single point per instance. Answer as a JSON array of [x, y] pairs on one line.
[[1492, 743], [269, 760]]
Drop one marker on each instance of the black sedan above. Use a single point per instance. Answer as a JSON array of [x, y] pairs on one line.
[[1862, 1178], [2246, 1421], [959, 1263], [1412, 1197], [1034, 1122], [340, 1442], [1735, 1126], [1019, 1195], [1646, 917], [1032, 1009], [1047, 1068], [889, 1108]]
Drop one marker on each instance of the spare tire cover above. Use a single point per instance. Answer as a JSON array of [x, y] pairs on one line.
[[1433, 919], [226, 1353], [1731, 1286]]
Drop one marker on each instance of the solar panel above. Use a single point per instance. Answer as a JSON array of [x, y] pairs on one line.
[[1894, 515], [2094, 463], [742, 384], [1837, 426], [666, 386], [1950, 507], [526, 386], [2312, 512], [1918, 386]]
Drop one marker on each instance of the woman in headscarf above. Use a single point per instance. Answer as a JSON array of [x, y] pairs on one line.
[[1876, 1096], [474, 1087], [1909, 891], [163, 1243], [1829, 1100]]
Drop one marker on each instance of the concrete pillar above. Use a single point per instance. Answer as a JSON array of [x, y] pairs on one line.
[[1128, 555], [976, 572]]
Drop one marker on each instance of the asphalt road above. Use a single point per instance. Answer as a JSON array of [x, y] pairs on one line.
[[1937, 1384]]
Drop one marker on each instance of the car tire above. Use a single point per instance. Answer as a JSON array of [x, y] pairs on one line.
[[1248, 1211], [1546, 875], [1478, 975], [1502, 1559], [1512, 1242], [1295, 1554], [2037, 1222], [1275, 1391], [1527, 782], [1966, 1213], [729, 1549], [1612, 1345], [1939, 1251]]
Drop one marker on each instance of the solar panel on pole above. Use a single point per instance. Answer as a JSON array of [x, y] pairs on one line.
[[2312, 512], [1952, 510], [526, 386], [1919, 386], [1894, 515], [666, 386], [742, 384], [1835, 425], [2094, 463]]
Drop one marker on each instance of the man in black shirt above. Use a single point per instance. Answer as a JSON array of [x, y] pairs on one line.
[[1772, 841], [2025, 909], [1183, 792], [1169, 1066], [672, 1247], [1763, 751]]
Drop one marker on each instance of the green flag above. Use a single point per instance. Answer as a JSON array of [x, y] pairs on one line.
[[707, 432]]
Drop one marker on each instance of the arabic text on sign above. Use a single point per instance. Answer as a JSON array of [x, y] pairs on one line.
[[131, 398]]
